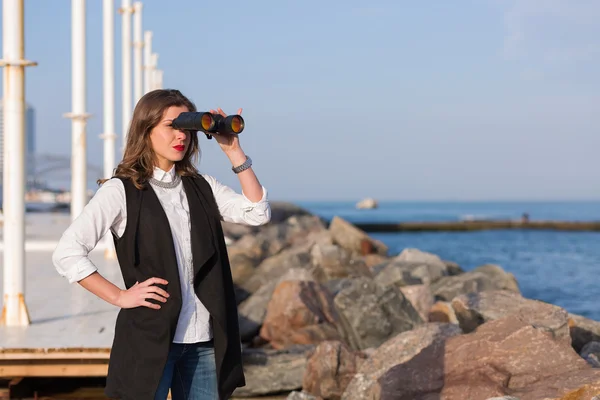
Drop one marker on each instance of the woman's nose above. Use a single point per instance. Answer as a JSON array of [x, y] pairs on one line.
[[181, 134]]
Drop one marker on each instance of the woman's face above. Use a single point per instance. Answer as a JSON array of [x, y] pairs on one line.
[[170, 145]]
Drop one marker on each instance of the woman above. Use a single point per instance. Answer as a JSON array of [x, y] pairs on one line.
[[178, 326]]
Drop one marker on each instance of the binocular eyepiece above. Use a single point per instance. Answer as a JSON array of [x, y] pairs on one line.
[[210, 124]]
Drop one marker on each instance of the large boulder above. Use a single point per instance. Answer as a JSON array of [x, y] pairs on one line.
[[476, 308], [330, 368], [300, 312], [370, 313], [274, 267], [354, 239], [414, 347], [274, 238], [411, 267], [252, 311], [330, 261], [420, 297], [281, 211], [505, 357], [480, 279], [510, 356], [271, 371]]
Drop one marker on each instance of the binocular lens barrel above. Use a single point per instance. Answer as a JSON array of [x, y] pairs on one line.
[[208, 122]]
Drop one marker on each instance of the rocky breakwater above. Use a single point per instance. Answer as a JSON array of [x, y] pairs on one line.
[[327, 313]]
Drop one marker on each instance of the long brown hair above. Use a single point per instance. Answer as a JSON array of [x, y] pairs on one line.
[[139, 158]]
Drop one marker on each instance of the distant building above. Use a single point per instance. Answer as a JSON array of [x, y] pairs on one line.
[[30, 146]]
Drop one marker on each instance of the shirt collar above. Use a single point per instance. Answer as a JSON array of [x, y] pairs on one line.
[[165, 176]]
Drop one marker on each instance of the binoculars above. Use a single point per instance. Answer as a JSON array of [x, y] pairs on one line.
[[210, 124]]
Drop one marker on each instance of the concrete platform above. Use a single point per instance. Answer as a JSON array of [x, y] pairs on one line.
[[63, 315], [71, 330]]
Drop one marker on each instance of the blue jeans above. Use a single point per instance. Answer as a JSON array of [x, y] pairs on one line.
[[190, 373]]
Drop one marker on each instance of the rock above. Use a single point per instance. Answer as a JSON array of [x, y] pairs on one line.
[[367, 203], [412, 266], [277, 265], [300, 312], [256, 247], [335, 286], [370, 314], [572, 385], [252, 311], [505, 280], [281, 211], [407, 347], [242, 267], [297, 274], [272, 239], [420, 297], [301, 396], [412, 255], [240, 294], [453, 268], [330, 368], [505, 357], [353, 239], [442, 311], [322, 238], [481, 279], [476, 308], [405, 273], [236, 231], [583, 330], [372, 260], [591, 354], [333, 262], [297, 229], [270, 371]]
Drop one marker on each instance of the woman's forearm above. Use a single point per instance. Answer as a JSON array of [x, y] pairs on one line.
[[251, 186], [102, 288]]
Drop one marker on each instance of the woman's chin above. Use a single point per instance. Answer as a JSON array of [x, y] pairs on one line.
[[177, 157]]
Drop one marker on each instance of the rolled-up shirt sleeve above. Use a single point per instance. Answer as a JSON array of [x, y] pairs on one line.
[[237, 208], [104, 211]]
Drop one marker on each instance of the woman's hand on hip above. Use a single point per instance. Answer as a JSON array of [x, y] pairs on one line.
[[138, 294]]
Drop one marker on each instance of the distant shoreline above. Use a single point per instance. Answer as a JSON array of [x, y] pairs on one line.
[[467, 226]]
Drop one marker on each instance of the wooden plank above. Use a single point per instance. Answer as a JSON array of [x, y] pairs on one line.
[[26, 354], [59, 369]]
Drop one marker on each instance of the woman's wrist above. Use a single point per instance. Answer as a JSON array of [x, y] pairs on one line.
[[236, 157]]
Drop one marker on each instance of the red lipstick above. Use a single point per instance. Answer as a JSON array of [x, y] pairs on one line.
[[179, 147]]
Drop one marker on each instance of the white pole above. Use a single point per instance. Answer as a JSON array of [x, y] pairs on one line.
[[109, 135], [138, 45], [14, 310], [159, 78], [147, 61], [78, 115], [153, 65], [126, 61]]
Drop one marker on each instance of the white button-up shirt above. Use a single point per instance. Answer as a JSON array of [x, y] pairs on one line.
[[107, 210]]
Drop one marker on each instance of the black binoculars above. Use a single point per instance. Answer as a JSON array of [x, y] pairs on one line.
[[210, 124]]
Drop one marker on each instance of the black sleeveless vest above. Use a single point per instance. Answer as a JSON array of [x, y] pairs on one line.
[[143, 335]]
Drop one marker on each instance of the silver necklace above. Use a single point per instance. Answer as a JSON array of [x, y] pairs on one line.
[[166, 185]]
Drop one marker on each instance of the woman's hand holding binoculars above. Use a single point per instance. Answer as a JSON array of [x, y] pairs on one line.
[[229, 142]]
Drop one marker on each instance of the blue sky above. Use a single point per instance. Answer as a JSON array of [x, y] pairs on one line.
[[398, 100]]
